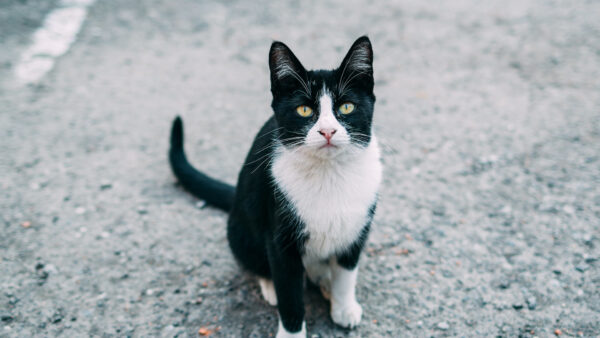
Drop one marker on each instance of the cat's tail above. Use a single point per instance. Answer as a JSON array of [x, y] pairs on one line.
[[214, 192]]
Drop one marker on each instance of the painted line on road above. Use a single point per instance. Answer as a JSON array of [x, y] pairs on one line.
[[51, 40]]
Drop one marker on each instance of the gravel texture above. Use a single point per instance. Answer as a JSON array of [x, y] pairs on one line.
[[489, 216]]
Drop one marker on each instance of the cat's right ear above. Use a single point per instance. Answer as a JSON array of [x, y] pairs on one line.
[[284, 65]]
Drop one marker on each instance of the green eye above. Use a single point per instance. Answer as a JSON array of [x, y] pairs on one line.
[[346, 108], [304, 111]]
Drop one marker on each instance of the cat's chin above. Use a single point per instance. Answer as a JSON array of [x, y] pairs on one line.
[[326, 151]]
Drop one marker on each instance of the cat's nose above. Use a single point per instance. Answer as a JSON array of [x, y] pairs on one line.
[[327, 133]]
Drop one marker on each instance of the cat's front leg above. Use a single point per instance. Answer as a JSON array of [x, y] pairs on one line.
[[288, 277], [345, 310]]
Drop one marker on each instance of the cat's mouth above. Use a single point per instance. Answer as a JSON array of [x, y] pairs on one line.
[[328, 145]]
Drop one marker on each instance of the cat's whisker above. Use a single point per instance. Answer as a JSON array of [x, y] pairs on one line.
[[349, 81], [258, 159], [269, 146], [344, 69], [298, 77], [270, 132], [269, 158]]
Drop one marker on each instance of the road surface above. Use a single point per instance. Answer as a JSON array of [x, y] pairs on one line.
[[489, 215]]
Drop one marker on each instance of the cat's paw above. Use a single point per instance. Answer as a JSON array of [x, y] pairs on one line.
[[283, 333], [267, 288], [346, 315]]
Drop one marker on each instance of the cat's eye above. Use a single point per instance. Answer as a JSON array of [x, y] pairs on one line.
[[304, 111], [346, 108]]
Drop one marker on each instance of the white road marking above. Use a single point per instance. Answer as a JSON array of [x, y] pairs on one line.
[[51, 40]]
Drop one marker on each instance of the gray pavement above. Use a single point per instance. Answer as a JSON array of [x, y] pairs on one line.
[[489, 215]]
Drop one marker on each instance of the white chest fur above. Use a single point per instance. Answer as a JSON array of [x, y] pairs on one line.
[[331, 196]]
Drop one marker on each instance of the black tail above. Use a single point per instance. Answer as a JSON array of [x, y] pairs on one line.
[[212, 191]]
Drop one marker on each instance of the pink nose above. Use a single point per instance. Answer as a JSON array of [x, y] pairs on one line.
[[327, 133]]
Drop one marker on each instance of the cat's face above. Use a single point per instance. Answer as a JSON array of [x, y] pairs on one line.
[[325, 112]]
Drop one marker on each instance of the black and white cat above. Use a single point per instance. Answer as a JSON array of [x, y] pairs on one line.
[[306, 194]]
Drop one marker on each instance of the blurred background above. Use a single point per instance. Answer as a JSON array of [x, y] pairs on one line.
[[489, 118]]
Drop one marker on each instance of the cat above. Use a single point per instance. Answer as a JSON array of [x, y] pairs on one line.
[[307, 191]]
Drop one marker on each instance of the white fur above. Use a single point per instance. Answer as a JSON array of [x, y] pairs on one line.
[[283, 333], [268, 290], [345, 310], [332, 198], [319, 272], [331, 190], [326, 120]]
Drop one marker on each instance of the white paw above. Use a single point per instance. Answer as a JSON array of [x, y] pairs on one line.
[[267, 288], [346, 315], [283, 333]]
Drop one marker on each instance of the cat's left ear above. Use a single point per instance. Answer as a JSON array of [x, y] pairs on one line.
[[359, 59], [283, 64]]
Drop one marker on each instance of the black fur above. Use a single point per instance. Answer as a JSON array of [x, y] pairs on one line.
[[214, 192], [262, 227]]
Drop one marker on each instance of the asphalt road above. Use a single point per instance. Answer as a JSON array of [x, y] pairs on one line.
[[489, 215]]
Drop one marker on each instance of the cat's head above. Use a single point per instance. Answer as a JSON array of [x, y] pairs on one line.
[[325, 112]]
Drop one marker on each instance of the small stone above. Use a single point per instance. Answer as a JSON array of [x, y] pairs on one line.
[[105, 185], [568, 209], [517, 306], [443, 326], [50, 269], [57, 317], [439, 210], [79, 210], [26, 224], [12, 300], [204, 331], [42, 275], [6, 318], [447, 273], [587, 239], [504, 284], [531, 303], [201, 204], [558, 332]]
